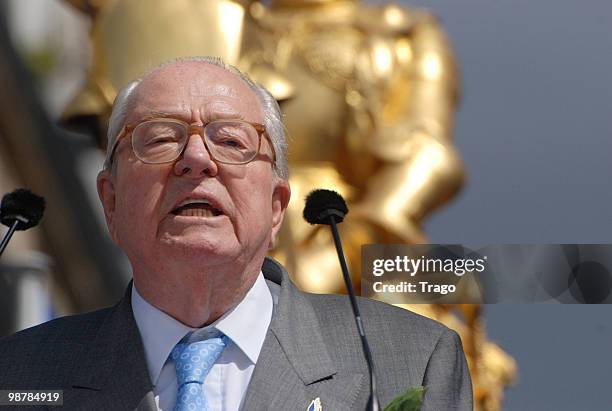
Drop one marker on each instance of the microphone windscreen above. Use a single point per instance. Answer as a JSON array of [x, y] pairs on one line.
[[22, 205], [320, 204]]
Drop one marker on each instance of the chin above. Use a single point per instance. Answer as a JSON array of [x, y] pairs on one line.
[[200, 247]]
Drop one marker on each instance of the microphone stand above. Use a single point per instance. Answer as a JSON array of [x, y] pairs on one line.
[[373, 404], [8, 235]]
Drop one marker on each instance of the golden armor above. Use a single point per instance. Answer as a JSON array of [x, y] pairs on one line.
[[369, 94]]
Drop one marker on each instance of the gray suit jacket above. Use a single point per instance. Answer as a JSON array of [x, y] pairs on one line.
[[311, 350]]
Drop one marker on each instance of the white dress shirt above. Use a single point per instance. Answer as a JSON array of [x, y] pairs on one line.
[[225, 386]]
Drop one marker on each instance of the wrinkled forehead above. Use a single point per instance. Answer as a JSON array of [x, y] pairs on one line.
[[194, 89]]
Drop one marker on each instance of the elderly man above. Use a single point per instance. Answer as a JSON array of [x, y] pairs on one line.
[[194, 189]]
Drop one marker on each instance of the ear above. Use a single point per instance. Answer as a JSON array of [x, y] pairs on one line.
[[280, 200], [106, 191]]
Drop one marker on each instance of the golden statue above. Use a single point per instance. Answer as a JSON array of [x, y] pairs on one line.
[[369, 94]]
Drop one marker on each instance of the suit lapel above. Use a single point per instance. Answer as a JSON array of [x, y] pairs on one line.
[[294, 366], [147, 403], [113, 372]]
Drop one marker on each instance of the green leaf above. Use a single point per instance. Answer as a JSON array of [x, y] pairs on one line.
[[408, 401]]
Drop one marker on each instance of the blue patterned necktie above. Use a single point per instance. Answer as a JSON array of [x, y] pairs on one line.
[[193, 361]]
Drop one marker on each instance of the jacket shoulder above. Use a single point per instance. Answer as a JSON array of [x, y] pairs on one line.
[[395, 335], [26, 356], [377, 317], [74, 327]]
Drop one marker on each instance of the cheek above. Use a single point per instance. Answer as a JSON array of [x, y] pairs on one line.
[[138, 204], [253, 201]]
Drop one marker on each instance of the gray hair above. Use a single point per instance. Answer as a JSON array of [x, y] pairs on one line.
[[272, 113]]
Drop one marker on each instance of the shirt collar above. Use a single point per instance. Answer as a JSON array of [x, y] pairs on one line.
[[245, 325]]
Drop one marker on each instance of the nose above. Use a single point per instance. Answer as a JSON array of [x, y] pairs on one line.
[[195, 161]]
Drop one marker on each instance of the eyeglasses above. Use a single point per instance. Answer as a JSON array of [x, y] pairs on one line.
[[158, 141]]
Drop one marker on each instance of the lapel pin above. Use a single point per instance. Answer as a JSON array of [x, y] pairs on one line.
[[315, 405]]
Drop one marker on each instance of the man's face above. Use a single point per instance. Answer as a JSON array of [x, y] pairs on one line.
[[152, 209]]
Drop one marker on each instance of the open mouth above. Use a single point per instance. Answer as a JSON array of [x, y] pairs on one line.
[[197, 208]]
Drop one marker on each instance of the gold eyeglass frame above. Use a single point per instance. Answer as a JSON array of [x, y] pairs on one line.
[[259, 128]]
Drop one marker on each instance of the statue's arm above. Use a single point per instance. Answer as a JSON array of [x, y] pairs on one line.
[[407, 123]]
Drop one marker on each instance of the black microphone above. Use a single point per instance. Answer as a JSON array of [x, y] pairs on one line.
[[329, 208], [20, 210]]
